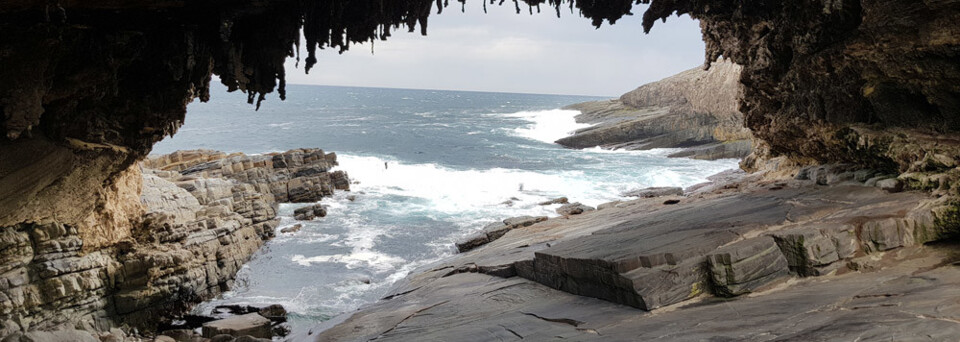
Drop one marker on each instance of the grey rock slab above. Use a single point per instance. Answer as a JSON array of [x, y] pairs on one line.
[[558, 200], [291, 229], [654, 192], [882, 235], [747, 265], [252, 324], [309, 212], [574, 209], [900, 303], [648, 261], [473, 241], [890, 185], [523, 221], [496, 230], [808, 248]]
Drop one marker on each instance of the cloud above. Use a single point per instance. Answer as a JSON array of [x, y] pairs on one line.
[[503, 51]]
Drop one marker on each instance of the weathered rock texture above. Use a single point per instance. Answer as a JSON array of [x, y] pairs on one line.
[[867, 82], [754, 260], [695, 110], [160, 240], [87, 87]]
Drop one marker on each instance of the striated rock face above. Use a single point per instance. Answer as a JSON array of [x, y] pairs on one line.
[[294, 176], [159, 241], [752, 260], [695, 110], [867, 82], [87, 87]]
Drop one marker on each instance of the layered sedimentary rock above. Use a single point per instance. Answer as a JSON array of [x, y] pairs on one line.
[[695, 110], [87, 87], [752, 260], [164, 239], [867, 82]]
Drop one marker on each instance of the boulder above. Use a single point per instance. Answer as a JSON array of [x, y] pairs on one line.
[[746, 266], [310, 212], [495, 230], [807, 250], [277, 312], [882, 235], [251, 339], [252, 324], [291, 229], [473, 241], [890, 185], [558, 200], [574, 209], [523, 221], [654, 192], [182, 335], [608, 205]]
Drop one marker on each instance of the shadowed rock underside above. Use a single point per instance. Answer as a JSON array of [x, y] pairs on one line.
[[87, 87]]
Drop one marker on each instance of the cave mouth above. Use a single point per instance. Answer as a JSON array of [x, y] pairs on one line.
[[88, 88]]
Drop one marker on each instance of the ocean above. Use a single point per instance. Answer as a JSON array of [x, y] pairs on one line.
[[428, 167]]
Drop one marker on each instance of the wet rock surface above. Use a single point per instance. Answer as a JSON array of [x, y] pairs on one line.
[[740, 261], [291, 229], [496, 230], [309, 213], [654, 192], [88, 87], [558, 200]]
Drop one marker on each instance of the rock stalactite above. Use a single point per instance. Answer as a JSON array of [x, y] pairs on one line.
[[87, 88]]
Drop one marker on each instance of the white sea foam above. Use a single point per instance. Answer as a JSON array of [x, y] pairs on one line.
[[456, 193], [547, 125], [450, 191]]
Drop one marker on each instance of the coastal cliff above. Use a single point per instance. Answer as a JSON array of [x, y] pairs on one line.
[[167, 235], [695, 110], [87, 88]]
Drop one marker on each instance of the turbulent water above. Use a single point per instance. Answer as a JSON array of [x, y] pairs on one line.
[[455, 161]]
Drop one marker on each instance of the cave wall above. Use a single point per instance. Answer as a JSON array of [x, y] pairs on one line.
[[869, 82], [87, 87]]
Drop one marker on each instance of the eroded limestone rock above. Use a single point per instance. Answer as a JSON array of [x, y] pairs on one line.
[[180, 240]]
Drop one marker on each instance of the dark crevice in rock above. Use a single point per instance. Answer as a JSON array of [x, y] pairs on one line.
[[511, 331], [415, 313], [572, 322]]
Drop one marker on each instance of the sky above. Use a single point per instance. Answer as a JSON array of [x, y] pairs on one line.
[[508, 52]]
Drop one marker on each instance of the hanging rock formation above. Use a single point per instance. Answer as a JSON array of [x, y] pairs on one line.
[[87, 87]]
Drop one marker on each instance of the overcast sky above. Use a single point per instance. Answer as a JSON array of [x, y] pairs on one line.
[[506, 52]]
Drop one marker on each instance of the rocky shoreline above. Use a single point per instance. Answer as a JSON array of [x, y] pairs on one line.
[[695, 110], [816, 254], [191, 220]]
